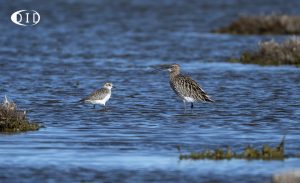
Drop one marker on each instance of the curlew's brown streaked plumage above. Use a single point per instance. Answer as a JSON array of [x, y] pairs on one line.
[[186, 88]]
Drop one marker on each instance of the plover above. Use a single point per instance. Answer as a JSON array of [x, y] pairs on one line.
[[100, 96], [186, 88]]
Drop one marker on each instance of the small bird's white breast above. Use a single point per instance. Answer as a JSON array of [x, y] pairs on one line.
[[102, 101], [106, 98]]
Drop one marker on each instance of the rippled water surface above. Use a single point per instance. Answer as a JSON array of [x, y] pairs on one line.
[[79, 45]]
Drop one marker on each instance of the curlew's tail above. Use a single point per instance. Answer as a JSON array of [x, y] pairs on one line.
[[208, 99]]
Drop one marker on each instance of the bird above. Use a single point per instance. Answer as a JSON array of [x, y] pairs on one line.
[[100, 96], [5, 101], [186, 88], [8, 105]]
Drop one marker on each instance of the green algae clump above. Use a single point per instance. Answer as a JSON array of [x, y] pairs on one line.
[[250, 153], [14, 120]]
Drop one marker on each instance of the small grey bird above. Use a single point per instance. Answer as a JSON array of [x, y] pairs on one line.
[[186, 88], [100, 96]]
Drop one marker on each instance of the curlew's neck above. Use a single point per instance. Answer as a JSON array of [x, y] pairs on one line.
[[174, 73]]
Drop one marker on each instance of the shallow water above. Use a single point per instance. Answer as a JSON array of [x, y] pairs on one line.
[[79, 45]]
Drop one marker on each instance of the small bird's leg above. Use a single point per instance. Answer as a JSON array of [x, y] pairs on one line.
[[94, 107], [192, 107], [184, 105]]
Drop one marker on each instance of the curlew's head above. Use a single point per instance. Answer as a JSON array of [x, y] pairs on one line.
[[108, 86], [174, 68]]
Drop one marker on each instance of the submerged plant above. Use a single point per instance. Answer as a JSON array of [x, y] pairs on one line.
[[265, 153], [268, 24], [14, 120], [274, 53]]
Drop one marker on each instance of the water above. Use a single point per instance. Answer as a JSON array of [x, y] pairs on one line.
[[79, 45]]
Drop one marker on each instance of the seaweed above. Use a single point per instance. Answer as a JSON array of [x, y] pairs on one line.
[[249, 153], [14, 120], [274, 53], [263, 24]]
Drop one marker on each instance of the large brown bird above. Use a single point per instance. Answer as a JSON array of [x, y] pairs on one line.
[[186, 88]]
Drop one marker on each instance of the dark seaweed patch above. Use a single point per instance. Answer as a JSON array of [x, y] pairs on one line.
[[269, 24], [273, 53], [14, 120]]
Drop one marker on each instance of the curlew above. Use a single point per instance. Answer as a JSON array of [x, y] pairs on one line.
[[186, 88]]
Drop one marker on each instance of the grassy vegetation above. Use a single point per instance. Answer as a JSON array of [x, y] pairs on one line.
[[250, 153], [14, 120], [274, 53], [269, 24]]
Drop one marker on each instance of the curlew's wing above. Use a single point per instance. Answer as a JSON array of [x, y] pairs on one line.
[[98, 94], [187, 87]]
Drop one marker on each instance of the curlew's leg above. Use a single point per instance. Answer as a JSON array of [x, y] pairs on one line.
[[192, 107]]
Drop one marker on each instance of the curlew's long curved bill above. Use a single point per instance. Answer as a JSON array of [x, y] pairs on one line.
[[161, 67]]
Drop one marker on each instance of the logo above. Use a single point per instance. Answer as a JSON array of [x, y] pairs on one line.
[[25, 17]]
